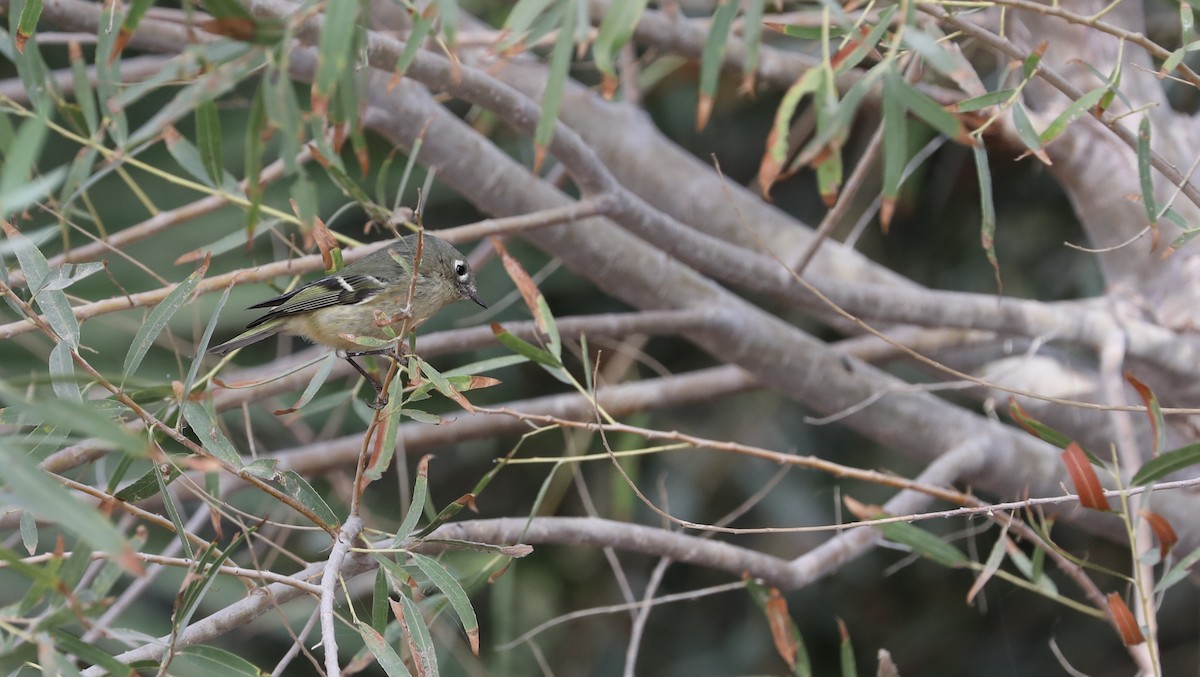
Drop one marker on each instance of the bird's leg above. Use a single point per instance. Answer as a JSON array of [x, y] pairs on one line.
[[381, 398]]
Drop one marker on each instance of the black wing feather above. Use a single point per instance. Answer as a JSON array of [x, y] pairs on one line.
[[332, 292]]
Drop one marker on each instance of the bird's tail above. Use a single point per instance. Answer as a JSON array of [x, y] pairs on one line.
[[251, 335]]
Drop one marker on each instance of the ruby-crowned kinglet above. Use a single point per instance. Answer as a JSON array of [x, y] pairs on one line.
[[336, 308]]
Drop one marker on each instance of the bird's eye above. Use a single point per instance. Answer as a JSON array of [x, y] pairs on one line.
[[460, 269]]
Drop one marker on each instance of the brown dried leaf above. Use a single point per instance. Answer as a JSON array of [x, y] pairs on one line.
[[1163, 531], [780, 623], [525, 284], [1123, 619], [1083, 477]]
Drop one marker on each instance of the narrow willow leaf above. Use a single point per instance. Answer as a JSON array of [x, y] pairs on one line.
[[800, 663], [923, 543], [379, 600], [388, 659], [752, 27], [520, 18], [27, 23], [108, 80], [29, 532], [133, 17], [62, 373], [208, 140], [895, 146], [524, 348], [560, 64], [299, 488], [449, 11], [930, 111], [1085, 103], [52, 302], [1024, 127], [983, 101], [454, 593], [422, 25], [1167, 463], [335, 52], [846, 651], [615, 31], [1037, 428], [420, 643], [210, 436], [314, 384], [931, 51], [417, 507], [1187, 22], [1084, 479], [20, 160], [713, 57], [187, 156], [148, 484], [201, 660], [987, 212], [773, 160], [859, 49], [89, 651], [34, 490], [158, 319], [1179, 572], [1145, 177]]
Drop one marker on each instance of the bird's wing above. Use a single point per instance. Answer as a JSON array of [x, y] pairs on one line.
[[333, 290]]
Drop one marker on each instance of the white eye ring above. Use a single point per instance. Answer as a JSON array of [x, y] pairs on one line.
[[460, 269]]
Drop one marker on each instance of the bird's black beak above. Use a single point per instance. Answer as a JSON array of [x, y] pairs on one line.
[[474, 296]]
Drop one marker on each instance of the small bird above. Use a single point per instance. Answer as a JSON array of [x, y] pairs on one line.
[[363, 298]]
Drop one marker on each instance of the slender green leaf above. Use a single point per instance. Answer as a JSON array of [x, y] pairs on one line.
[[615, 31], [924, 543], [388, 659], [188, 157], [895, 142], [422, 25], [984, 101], [1037, 428], [335, 52], [519, 19], [90, 652], [449, 12], [208, 140], [148, 484], [987, 211], [169, 504], [62, 373], [928, 110], [299, 488], [846, 653], [1187, 21], [417, 507], [484, 366], [560, 63], [379, 601], [863, 47], [931, 51], [314, 384], [1085, 103], [712, 58], [1167, 463], [210, 436], [1025, 130], [454, 593], [1179, 572], [158, 319], [29, 532], [525, 349], [201, 660], [1144, 175], [752, 27], [420, 643], [809, 32], [34, 490], [27, 22], [20, 157]]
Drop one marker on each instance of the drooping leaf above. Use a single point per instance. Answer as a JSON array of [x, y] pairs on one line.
[[454, 594], [1083, 477], [158, 318]]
